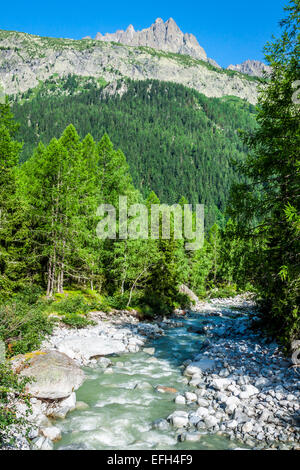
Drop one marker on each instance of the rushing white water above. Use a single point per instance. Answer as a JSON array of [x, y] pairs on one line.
[[120, 416]]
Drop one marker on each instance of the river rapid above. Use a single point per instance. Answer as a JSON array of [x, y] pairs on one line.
[[122, 407]]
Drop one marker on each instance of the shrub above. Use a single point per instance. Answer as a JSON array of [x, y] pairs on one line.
[[72, 305], [11, 384], [23, 326], [224, 291], [118, 301], [29, 294], [77, 321]]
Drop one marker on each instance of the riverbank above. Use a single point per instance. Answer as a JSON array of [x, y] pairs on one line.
[[57, 371], [233, 383], [242, 384]]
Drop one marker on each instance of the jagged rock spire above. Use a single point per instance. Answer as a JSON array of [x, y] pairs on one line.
[[162, 36]]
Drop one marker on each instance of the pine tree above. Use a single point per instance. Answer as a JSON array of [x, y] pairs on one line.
[[9, 207], [214, 240], [162, 293], [61, 186], [201, 266]]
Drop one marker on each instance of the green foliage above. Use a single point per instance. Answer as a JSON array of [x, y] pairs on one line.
[[74, 307], [118, 301], [71, 305], [228, 290], [267, 209], [76, 321], [23, 326], [11, 384], [61, 186], [9, 212], [173, 137]]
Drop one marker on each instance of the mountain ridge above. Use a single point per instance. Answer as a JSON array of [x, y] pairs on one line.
[[165, 36], [26, 60], [253, 68]]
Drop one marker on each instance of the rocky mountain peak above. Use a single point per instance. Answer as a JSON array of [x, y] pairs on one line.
[[254, 68], [165, 36]]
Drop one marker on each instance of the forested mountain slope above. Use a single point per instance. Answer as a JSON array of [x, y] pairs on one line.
[[177, 141]]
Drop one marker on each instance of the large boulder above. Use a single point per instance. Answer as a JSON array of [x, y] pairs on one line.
[[82, 348], [55, 375], [185, 290]]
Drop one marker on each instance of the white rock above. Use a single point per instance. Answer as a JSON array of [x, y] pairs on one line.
[[143, 386], [150, 351], [232, 424], [180, 400], [195, 380], [53, 433], [191, 396], [247, 427], [179, 419], [55, 375], [202, 402], [193, 436], [104, 362], [43, 443], [202, 412], [222, 397], [233, 389], [200, 366], [220, 384], [231, 404], [210, 421], [248, 391], [262, 382], [62, 408], [81, 405], [92, 346]]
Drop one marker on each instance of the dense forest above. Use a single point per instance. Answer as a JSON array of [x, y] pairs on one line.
[[180, 146], [177, 141]]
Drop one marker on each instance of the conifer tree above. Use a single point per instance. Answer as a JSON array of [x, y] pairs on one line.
[[9, 210]]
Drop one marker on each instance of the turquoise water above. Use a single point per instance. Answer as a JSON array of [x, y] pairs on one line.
[[121, 417]]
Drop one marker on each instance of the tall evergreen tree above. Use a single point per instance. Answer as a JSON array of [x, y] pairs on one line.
[[9, 211], [60, 183]]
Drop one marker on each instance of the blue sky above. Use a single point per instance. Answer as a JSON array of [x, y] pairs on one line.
[[230, 31]]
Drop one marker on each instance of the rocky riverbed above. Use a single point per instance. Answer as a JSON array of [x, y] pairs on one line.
[[57, 371], [200, 380], [242, 385]]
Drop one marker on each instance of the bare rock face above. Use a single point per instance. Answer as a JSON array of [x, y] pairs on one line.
[[162, 36], [55, 375], [25, 60], [254, 68]]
